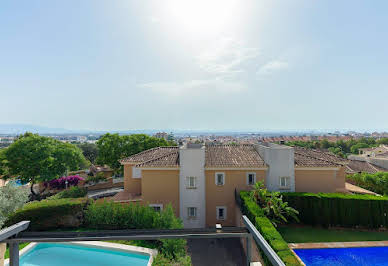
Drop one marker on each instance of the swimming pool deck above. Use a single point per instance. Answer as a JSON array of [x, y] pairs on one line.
[[339, 244]]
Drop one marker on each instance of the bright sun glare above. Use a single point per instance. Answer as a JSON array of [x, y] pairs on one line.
[[202, 16]]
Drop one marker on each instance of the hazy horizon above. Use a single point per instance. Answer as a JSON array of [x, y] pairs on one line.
[[19, 128]]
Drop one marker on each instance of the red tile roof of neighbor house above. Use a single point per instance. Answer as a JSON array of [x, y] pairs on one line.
[[352, 166], [361, 166], [317, 158], [166, 160], [232, 156], [150, 154]]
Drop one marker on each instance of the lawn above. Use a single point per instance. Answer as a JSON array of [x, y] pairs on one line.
[[313, 234], [21, 246]]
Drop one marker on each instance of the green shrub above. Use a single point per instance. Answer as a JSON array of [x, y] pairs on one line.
[[336, 209], [268, 231], [50, 214], [110, 215], [73, 192], [11, 198], [161, 260], [377, 182], [97, 178], [272, 204], [173, 248]]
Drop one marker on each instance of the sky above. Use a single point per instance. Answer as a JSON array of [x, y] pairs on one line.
[[200, 65]]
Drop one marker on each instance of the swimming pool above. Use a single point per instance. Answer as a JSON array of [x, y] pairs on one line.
[[60, 254], [16, 182], [365, 256]]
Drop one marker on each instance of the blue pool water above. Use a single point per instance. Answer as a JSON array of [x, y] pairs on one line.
[[16, 183], [344, 256], [55, 254]]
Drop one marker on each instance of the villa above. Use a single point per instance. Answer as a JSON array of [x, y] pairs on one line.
[[200, 180], [376, 157]]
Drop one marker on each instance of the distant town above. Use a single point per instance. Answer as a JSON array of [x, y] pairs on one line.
[[213, 137]]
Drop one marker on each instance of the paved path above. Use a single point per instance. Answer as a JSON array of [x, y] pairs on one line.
[[214, 252], [102, 193]]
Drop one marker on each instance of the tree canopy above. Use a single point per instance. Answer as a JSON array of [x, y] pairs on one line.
[[2, 162], [11, 198], [113, 147], [35, 158], [340, 147], [90, 151]]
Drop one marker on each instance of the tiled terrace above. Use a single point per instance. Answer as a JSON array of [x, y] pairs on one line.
[[125, 196]]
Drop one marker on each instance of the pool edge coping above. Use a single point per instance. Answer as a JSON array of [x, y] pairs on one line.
[[357, 244], [100, 244]]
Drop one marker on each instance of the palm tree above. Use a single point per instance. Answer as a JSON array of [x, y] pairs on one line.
[[272, 204]]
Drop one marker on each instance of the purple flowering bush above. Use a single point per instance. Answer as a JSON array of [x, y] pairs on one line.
[[60, 183]]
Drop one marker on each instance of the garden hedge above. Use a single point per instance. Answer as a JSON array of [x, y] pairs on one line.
[[336, 209], [250, 208], [50, 214], [105, 215]]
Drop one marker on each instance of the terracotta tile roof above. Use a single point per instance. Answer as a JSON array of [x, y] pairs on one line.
[[149, 155], [383, 155], [233, 156], [168, 160], [355, 189], [316, 158], [361, 166], [322, 155]]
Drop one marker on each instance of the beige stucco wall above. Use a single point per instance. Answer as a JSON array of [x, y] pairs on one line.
[[3, 247], [224, 195], [132, 185], [161, 187], [319, 180]]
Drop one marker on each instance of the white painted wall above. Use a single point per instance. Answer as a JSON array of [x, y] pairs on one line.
[[280, 161], [192, 163]]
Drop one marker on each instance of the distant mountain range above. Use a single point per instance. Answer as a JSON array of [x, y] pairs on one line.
[[15, 129]]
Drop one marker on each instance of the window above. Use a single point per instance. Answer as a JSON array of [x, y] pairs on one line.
[[136, 172], [191, 182], [251, 178], [156, 207], [221, 212], [284, 182], [192, 212], [220, 179]]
